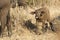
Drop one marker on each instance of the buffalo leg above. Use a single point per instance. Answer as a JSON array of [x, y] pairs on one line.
[[9, 24], [3, 20], [51, 26]]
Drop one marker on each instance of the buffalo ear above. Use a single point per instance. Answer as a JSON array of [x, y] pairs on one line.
[[33, 13]]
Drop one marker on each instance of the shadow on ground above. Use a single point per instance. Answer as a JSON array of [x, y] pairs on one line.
[[31, 27]]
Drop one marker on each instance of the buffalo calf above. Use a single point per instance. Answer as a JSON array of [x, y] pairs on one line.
[[43, 15]]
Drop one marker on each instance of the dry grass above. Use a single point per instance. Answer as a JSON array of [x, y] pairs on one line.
[[21, 32]]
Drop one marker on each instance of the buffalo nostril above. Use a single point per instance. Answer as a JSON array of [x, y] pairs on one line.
[[36, 17], [40, 15]]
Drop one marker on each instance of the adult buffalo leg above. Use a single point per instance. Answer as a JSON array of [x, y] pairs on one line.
[[9, 24], [3, 19]]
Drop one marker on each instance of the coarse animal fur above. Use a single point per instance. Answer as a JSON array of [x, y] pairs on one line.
[[43, 15], [5, 16]]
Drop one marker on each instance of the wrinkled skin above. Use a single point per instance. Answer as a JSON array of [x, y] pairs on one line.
[[5, 16], [43, 15]]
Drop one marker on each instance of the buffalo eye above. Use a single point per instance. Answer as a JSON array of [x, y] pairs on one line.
[[42, 12]]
